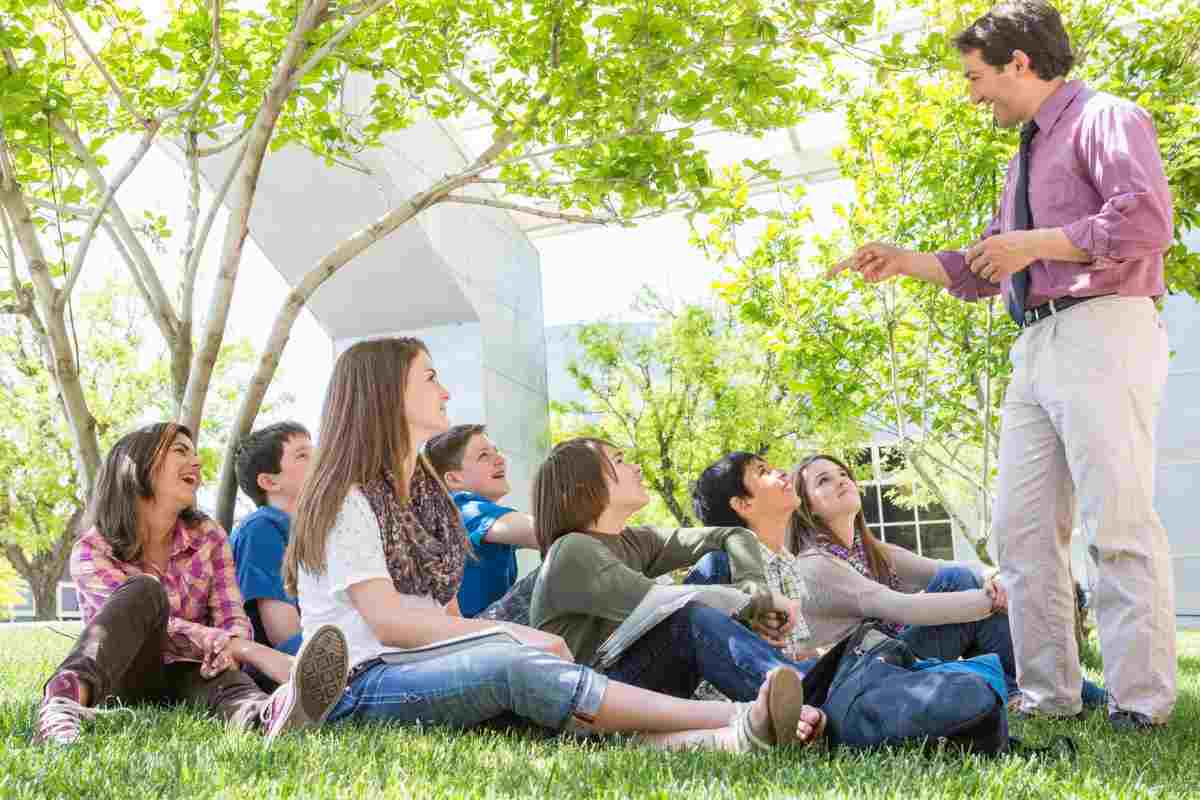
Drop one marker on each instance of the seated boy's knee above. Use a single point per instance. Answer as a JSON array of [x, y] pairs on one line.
[[698, 614], [715, 566]]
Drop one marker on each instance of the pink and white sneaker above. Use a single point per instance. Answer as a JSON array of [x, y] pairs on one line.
[[317, 683], [61, 715]]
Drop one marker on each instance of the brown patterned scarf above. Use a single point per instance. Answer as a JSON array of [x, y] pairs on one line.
[[424, 542]]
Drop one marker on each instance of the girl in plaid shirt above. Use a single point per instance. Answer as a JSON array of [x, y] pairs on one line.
[[163, 615]]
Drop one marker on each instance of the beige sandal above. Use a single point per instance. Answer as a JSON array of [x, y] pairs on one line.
[[785, 702]]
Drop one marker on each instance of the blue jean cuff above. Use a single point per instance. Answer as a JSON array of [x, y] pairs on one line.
[[585, 706]]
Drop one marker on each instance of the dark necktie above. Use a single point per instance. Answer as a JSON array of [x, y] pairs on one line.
[[1024, 222]]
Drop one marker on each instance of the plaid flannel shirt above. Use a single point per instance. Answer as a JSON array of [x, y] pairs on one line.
[[783, 578], [200, 580]]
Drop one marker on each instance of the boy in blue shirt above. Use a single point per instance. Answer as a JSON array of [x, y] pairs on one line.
[[271, 466], [476, 474]]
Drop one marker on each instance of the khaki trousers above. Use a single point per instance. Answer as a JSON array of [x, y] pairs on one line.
[[1079, 421]]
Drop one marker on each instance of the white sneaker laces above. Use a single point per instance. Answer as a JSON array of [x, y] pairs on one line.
[[60, 718]]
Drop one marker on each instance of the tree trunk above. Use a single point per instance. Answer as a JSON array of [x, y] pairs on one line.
[[43, 571], [63, 367], [237, 228], [45, 594], [979, 541], [181, 364]]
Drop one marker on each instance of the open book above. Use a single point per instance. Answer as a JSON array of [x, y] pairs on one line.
[[658, 604]]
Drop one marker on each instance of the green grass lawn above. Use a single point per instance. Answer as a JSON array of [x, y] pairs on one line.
[[164, 754]]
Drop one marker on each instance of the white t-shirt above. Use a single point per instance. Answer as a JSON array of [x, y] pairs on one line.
[[353, 554]]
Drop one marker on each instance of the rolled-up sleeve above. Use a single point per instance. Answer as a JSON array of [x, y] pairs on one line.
[[225, 604], [191, 640], [964, 284], [1120, 148]]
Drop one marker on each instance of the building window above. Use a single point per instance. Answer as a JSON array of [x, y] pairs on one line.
[[925, 531]]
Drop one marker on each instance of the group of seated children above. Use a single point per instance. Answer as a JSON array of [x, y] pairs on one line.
[[375, 556], [366, 567]]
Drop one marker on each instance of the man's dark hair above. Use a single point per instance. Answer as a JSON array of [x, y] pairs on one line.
[[717, 485], [446, 450], [1032, 26], [262, 451]]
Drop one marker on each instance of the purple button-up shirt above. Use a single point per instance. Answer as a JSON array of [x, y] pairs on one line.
[[1095, 171]]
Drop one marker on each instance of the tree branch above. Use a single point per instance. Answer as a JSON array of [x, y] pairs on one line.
[[85, 242], [465, 89], [329, 46], [237, 228], [160, 306], [189, 106], [10, 251], [99, 65], [500, 142], [61, 364], [221, 147], [537, 212], [193, 222], [478, 168], [134, 272], [17, 558], [193, 264]]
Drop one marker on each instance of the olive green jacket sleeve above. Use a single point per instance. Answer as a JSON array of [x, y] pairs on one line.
[[582, 576], [669, 549]]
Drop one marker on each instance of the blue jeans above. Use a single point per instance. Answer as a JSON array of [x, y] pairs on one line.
[[700, 643], [946, 642], [966, 639], [470, 686], [711, 570]]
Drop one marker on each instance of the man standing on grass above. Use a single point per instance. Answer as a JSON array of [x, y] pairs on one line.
[[476, 474], [1076, 249]]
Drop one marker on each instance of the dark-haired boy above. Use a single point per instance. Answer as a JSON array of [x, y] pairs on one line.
[[476, 474], [271, 466]]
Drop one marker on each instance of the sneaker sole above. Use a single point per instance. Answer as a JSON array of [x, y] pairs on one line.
[[318, 679]]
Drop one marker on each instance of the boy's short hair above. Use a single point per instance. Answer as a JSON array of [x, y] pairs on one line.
[[446, 450], [719, 484], [262, 451]]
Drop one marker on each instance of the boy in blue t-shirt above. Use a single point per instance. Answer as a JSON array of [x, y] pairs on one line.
[[476, 474], [271, 466]]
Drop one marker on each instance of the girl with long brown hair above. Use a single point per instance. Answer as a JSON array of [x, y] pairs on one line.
[[163, 618], [378, 548], [942, 609]]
